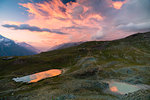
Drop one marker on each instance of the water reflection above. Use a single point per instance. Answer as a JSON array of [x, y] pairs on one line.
[[114, 89], [38, 76], [125, 88], [122, 88]]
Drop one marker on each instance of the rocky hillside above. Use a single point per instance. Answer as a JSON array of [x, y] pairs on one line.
[[86, 68]]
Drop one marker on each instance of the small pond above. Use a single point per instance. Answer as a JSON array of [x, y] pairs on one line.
[[125, 88], [38, 76]]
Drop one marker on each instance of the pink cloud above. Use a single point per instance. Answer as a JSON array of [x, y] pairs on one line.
[[55, 15]]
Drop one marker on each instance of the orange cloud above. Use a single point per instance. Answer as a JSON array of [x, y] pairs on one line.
[[55, 15], [118, 4]]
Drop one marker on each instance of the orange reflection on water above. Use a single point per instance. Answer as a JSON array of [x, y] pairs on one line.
[[41, 75], [114, 89]]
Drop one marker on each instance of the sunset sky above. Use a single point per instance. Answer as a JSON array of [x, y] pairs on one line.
[[47, 23]]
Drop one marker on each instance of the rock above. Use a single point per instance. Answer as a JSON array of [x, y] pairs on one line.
[[8, 58], [139, 95], [86, 72]]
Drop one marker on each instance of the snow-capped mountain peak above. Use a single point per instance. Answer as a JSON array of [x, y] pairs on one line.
[[9, 48], [4, 39]]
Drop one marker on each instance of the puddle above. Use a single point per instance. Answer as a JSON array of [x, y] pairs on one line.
[[122, 88], [38, 76], [125, 88]]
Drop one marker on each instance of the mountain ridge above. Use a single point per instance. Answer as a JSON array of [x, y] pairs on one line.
[[28, 46], [9, 48]]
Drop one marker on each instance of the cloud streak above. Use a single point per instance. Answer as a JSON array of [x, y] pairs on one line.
[[132, 27], [31, 28]]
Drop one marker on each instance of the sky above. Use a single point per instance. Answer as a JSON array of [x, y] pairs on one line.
[[47, 23]]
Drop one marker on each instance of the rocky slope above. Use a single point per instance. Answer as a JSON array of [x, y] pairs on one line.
[[85, 66]]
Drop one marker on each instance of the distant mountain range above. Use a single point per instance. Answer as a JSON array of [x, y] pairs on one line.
[[9, 48], [28, 46]]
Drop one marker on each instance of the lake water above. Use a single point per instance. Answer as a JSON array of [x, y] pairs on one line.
[[125, 88], [122, 88], [38, 76]]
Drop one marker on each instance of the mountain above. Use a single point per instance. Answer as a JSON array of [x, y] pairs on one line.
[[29, 47], [9, 48], [87, 72], [65, 45]]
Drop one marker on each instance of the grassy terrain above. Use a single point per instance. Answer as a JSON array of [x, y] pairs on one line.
[[86, 65]]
